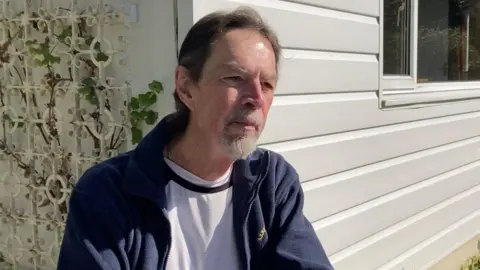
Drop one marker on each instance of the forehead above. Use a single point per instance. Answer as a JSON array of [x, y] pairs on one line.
[[244, 47]]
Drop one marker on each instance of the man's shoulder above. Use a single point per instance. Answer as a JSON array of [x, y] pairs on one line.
[[103, 178], [275, 158], [279, 169], [98, 201], [277, 162]]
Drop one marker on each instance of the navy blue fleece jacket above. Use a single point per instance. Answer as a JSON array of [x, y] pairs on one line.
[[117, 217]]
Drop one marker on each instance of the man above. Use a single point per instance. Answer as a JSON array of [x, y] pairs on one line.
[[196, 193]]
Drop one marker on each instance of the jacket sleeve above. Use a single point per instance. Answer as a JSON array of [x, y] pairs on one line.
[[93, 233], [297, 247]]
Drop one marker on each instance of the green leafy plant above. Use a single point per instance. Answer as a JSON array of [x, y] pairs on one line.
[[141, 110], [472, 263]]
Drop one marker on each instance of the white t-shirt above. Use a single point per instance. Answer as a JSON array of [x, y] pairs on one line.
[[201, 218]]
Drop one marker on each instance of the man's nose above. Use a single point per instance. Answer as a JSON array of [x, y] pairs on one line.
[[254, 95]]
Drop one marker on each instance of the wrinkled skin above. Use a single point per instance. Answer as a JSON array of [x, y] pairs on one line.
[[230, 103]]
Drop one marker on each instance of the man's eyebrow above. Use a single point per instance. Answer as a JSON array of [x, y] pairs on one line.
[[233, 65], [270, 77]]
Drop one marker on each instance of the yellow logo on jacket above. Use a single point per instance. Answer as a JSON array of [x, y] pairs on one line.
[[261, 234]]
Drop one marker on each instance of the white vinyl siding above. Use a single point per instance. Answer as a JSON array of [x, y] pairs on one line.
[[384, 188]]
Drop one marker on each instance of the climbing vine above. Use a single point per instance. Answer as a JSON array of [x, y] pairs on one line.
[[90, 90], [46, 55]]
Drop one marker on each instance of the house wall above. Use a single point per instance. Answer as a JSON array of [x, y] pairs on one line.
[[393, 189]]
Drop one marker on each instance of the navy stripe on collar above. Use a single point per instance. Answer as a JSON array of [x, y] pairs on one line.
[[195, 188]]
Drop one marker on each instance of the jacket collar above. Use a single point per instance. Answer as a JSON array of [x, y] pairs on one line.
[[146, 170], [146, 166]]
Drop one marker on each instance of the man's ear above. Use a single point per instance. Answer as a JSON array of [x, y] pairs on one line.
[[183, 86]]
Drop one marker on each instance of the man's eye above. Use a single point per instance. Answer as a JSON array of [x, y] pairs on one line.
[[267, 86], [233, 79]]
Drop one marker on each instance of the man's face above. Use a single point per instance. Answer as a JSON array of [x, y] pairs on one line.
[[231, 101]]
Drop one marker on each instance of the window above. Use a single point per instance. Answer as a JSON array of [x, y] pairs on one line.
[[430, 48], [396, 40], [448, 41]]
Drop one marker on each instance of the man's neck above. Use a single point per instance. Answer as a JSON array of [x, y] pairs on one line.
[[199, 157]]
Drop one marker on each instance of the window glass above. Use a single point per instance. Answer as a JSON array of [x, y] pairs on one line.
[[396, 37], [448, 40]]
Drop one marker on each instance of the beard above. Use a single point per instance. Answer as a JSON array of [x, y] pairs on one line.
[[240, 145]]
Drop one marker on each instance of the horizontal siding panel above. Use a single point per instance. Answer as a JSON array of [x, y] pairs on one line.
[[346, 228], [371, 8], [430, 251], [332, 194], [313, 72], [316, 115], [321, 156], [399, 238], [305, 27]]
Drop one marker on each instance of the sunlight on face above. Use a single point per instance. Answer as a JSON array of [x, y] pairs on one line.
[[236, 91]]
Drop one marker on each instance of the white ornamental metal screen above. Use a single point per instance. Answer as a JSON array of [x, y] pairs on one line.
[[64, 106]]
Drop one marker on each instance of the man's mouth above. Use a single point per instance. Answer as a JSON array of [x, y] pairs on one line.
[[246, 124]]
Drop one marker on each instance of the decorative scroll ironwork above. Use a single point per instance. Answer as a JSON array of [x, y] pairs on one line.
[[64, 106]]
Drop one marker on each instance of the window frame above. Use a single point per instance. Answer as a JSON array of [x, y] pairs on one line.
[[403, 91]]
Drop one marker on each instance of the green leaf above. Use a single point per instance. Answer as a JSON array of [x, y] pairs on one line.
[[88, 90], [155, 86], [89, 82], [57, 59], [92, 98], [50, 59], [137, 135], [151, 117], [89, 40], [101, 57], [44, 49], [147, 99], [143, 114], [84, 90], [67, 32], [134, 117], [134, 103]]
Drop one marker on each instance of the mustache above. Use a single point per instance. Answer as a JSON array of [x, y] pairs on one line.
[[246, 115]]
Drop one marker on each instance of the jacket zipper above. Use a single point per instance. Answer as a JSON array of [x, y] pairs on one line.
[[244, 231], [169, 240], [249, 207]]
